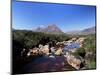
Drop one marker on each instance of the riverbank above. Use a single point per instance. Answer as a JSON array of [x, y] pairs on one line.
[[59, 57]]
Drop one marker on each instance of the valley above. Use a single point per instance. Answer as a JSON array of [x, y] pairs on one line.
[[41, 52]]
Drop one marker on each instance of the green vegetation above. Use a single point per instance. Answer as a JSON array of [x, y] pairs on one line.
[[91, 65], [23, 39], [31, 39], [80, 52], [88, 51], [90, 48]]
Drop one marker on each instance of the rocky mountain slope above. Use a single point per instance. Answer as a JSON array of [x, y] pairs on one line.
[[53, 29]]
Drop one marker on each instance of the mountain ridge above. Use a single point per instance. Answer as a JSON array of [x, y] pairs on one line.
[[52, 29], [90, 30]]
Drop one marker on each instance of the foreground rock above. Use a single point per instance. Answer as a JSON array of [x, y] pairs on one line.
[[59, 51], [45, 49], [73, 61], [42, 50]]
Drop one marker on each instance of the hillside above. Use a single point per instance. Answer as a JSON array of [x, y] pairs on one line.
[[52, 29], [86, 31]]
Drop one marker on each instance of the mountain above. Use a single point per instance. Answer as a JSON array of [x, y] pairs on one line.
[[53, 29], [87, 31]]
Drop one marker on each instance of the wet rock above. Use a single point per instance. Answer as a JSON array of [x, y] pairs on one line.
[[74, 39], [80, 40], [73, 61], [52, 49], [45, 49], [33, 52], [40, 46], [59, 51]]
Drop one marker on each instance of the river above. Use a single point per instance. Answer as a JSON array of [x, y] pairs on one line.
[[50, 63]]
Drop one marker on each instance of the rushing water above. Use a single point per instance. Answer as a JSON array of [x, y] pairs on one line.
[[71, 46], [50, 63]]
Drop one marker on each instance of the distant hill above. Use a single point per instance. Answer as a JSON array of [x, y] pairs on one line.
[[87, 31], [53, 29], [73, 32], [91, 30]]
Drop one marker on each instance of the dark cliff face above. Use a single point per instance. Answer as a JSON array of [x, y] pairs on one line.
[[49, 29]]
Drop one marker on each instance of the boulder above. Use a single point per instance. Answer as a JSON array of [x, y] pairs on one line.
[[59, 51], [73, 61], [73, 39], [40, 46], [33, 52], [45, 49], [52, 49]]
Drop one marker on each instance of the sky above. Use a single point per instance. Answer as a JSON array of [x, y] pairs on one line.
[[68, 17]]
